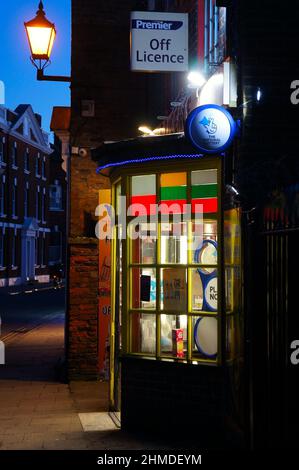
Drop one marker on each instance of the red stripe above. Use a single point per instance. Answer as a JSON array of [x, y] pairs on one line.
[[209, 205], [146, 201], [173, 206]]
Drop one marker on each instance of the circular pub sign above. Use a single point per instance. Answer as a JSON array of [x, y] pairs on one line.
[[210, 128]]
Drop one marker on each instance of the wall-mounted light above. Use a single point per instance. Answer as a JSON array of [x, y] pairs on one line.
[[41, 34], [258, 95], [149, 132], [195, 79]]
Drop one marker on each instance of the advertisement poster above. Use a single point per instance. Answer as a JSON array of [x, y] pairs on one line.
[[174, 289], [104, 293]]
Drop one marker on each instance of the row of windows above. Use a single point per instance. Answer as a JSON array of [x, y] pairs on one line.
[[40, 162], [14, 249], [55, 200]]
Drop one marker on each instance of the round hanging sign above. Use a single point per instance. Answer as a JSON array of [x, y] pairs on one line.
[[210, 128]]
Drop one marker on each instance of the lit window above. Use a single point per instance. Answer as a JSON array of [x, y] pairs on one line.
[[173, 307]]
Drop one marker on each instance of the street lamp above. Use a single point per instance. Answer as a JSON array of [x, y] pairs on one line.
[[41, 35]]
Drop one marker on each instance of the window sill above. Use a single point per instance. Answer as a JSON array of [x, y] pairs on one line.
[[44, 179], [37, 266], [2, 268], [2, 164], [43, 266], [14, 167], [14, 268], [3, 216], [37, 176], [27, 172], [55, 210], [15, 217]]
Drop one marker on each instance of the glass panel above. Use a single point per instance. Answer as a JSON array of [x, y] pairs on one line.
[[204, 242], [204, 191], [143, 282], [173, 193], [232, 236], [174, 243], [174, 289], [233, 288], [143, 333], [143, 195], [144, 247], [204, 290], [204, 337], [174, 335]]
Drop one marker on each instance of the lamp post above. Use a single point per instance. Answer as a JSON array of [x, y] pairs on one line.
[[41, 35]]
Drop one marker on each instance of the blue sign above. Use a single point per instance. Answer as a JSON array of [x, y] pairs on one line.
[[210, 128]]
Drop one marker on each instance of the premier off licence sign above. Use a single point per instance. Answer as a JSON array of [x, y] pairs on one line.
[[159, 41]]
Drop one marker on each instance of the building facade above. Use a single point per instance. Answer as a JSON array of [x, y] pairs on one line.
[[27, 195], [229, 394]]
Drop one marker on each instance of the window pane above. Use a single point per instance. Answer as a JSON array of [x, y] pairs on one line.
[[143, 195], [233, 289], [205, 337], [143, 333], [144, 247], [174, 289], [143, 282], [173, 192], [174, 243], [204, 191], [204, 290], [174, 335], [204, 242]]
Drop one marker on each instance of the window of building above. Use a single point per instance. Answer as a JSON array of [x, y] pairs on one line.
[[2, 150], [26, 202], [27, 160], [37, 205], [173, 309], [36, 249], [14, 155], [14, 199], [13, 250], [215, 33], [55, 248], [2, 196], [1, 249], [44, 167], [43, 199], [37, 165], [42, 250], [55, 194]]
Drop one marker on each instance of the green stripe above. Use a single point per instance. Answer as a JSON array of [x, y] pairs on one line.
[[169, 193], [204, 190]]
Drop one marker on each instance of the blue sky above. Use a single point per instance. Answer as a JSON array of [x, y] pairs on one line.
[[16, 70]]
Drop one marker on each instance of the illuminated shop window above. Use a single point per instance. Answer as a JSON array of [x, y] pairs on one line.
[[172, 306]]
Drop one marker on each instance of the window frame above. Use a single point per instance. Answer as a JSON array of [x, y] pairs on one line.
[[127, 311]]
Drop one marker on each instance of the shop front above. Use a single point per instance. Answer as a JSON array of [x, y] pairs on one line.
[[177, 320]]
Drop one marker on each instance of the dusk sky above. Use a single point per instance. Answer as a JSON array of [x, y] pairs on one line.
[[16, 70]]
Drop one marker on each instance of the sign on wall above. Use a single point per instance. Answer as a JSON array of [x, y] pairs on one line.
[[210, 128], [159, 41]]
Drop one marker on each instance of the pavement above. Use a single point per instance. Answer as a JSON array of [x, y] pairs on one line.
[[39, 412]]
